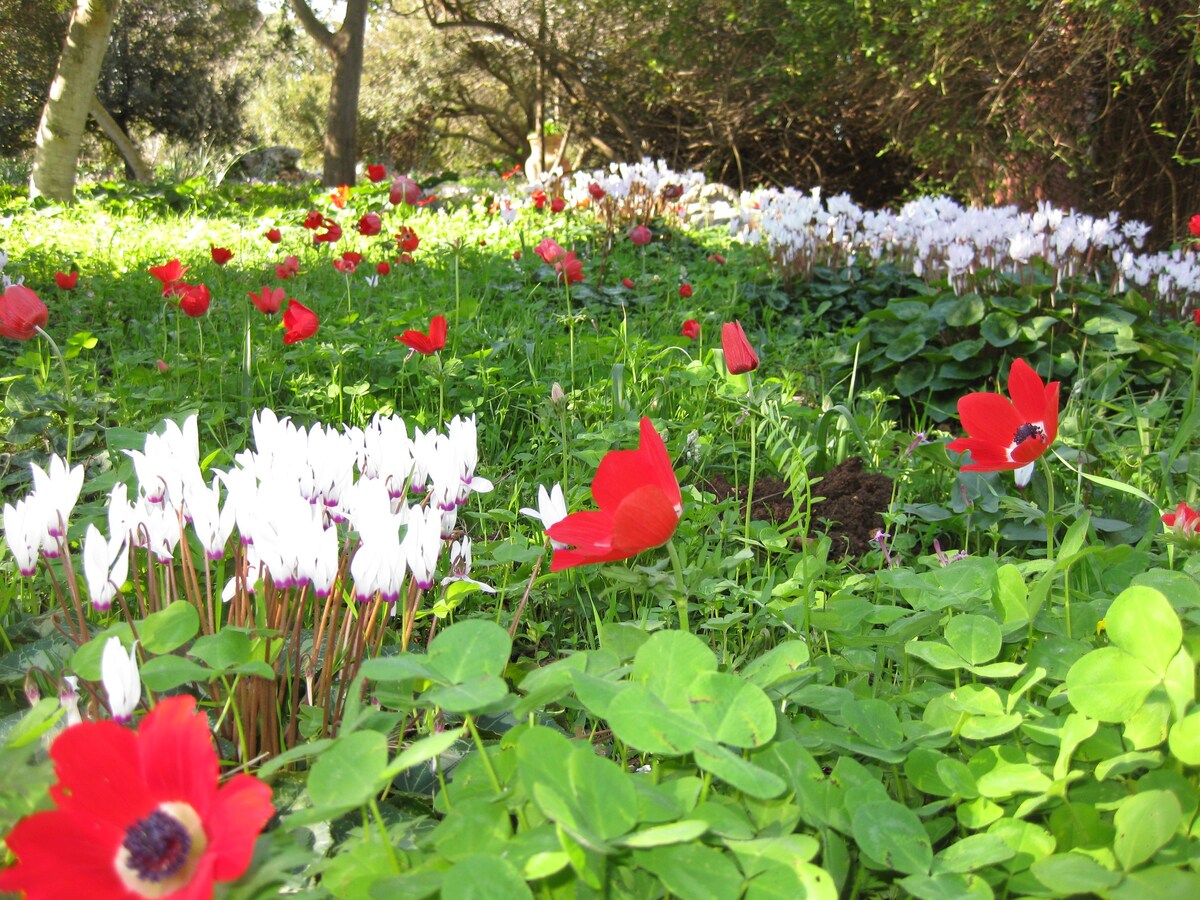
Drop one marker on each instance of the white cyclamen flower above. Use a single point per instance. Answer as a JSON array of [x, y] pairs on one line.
[[23, 533], [121, 680], [105, 566], [56, 491], [552, 507]]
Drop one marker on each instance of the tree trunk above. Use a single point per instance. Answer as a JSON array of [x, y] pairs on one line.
[[60, 132], [345, 48], [135, 164]]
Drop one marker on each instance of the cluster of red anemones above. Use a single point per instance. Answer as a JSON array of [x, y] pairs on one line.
[[567, 265], [348, 262], [193, 299], [138, 814]]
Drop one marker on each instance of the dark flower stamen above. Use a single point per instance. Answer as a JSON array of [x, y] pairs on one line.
[[1027, 431], [158, 846]]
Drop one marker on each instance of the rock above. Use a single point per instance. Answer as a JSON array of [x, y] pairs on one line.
[[710, 204], [452, 194], [266, 164]]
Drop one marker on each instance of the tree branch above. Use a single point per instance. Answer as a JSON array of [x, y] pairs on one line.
[[315, 27]]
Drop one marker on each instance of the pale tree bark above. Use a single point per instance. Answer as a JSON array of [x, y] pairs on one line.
[[129, 151], [345, 48], [64, 116]]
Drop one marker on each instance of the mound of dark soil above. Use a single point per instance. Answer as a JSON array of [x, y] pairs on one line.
[[850, 509]]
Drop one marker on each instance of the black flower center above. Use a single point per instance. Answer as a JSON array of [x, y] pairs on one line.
[[158, 846], [1027, 431]]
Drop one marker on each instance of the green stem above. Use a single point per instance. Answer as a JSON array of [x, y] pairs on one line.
[[441, 389], [68, 400], [681, 596], [753, 468], [391, 851], [570, 326], [1048, 474], [200, 358], [487, 761]]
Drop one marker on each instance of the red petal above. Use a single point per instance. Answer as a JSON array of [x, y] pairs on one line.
[[990, 417], [239, 812], [99, 774], [1029, 450], [179, 761], [437, 332], [645, 519], [589, 532], [64, 856], [1027, 391], [589, 528], [1050, 419], [417, 340], [985, 456], [200, 887], [623, 471]]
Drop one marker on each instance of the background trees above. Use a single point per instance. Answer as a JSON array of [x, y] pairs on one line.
[[1091, 103]]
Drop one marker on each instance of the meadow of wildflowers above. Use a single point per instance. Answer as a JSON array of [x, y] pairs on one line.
[[470, 540]]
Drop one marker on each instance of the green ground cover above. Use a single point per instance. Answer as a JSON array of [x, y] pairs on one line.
[[993, 694]]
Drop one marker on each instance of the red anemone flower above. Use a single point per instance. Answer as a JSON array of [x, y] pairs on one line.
[[221, 255], [407, 239], [404, 190], [370, 224], [345, 266], [558, 204], [300, 322], [1196, 317], [717, 258], [1194, 225], [511, 172], [550, 251], [691, 329], [383, 268], [139, 814], [193, 298], [570, 269], [1185, 521], [1009, 434], [640, 235], [685, 290], [313, 220], [539, 198], [66, 281], [739, 355], [289, 267], [22, 313], [268, 300], [169, 273], [597, 192], [274, 235], [331, 235], [426, 343], [628, 284], [376, 172], [640, 506]]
